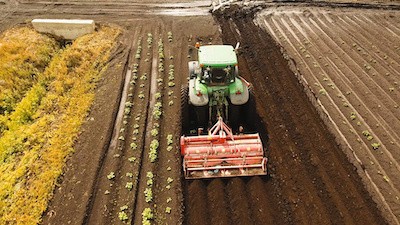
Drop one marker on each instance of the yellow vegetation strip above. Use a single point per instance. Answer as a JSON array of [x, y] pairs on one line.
[[24, 55], [42, 129]]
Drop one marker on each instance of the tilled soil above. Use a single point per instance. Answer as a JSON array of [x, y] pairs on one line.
[[349, 61], [103, 197], [310, 182]]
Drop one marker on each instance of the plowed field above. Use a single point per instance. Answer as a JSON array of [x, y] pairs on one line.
[[350, 62], [323, 169]]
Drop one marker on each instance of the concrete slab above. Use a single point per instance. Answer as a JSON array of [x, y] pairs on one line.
[[65, 28]]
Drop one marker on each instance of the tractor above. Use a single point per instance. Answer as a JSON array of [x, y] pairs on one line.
[[218, 105]]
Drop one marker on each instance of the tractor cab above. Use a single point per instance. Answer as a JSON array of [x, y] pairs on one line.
[[218, 64]]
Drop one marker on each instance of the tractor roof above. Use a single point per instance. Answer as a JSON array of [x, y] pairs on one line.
[[217, 55]]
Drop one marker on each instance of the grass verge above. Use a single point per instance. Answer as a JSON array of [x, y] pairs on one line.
[[44, 125], [24, 55]]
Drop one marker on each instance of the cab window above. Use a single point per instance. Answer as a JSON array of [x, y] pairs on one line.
[[218, 75]]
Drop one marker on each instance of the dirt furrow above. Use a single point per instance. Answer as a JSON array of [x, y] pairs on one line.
[[345, 81], [147, 165], [72, 199], [297, 163], [217, 203], [97, 210], [239, 201], [390, 25], [311, 153], [302, 213], [371, 66], [383, 55], [133, 144], [263, 206], [196, 205], [341, 80], [168, 190], [302, 160], [389, 122], [324, 57], [310, 180]]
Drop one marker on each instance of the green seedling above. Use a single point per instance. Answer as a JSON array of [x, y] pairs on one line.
[[111, 176], [129, 185], [132, 159], [169, 180], [375, 146], [154, 132], [148, 193]]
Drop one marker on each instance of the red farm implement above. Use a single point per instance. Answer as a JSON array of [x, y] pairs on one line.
[[220, 153]]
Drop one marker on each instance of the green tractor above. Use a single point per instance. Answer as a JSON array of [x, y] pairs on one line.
[[216, 93], [216, 90]]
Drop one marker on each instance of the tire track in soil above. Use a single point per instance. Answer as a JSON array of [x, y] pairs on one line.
[[169, 160], [147, 165], [305, 133], [73, 199], [107, 193]]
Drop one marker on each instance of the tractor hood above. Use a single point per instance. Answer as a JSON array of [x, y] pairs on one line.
[[217, 56]]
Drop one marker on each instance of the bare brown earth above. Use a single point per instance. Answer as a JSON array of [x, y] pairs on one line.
[[311, 179], [96, 207], [350, 62]]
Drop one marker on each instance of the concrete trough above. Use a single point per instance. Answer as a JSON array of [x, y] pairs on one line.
[[64, 28]]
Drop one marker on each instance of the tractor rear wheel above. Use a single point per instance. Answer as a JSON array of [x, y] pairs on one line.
[[249, 111], [185, 119], [235, 116], [243, 115]]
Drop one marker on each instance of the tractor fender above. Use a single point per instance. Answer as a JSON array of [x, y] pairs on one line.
[[193, 69], [195, 98], [241, 95]]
